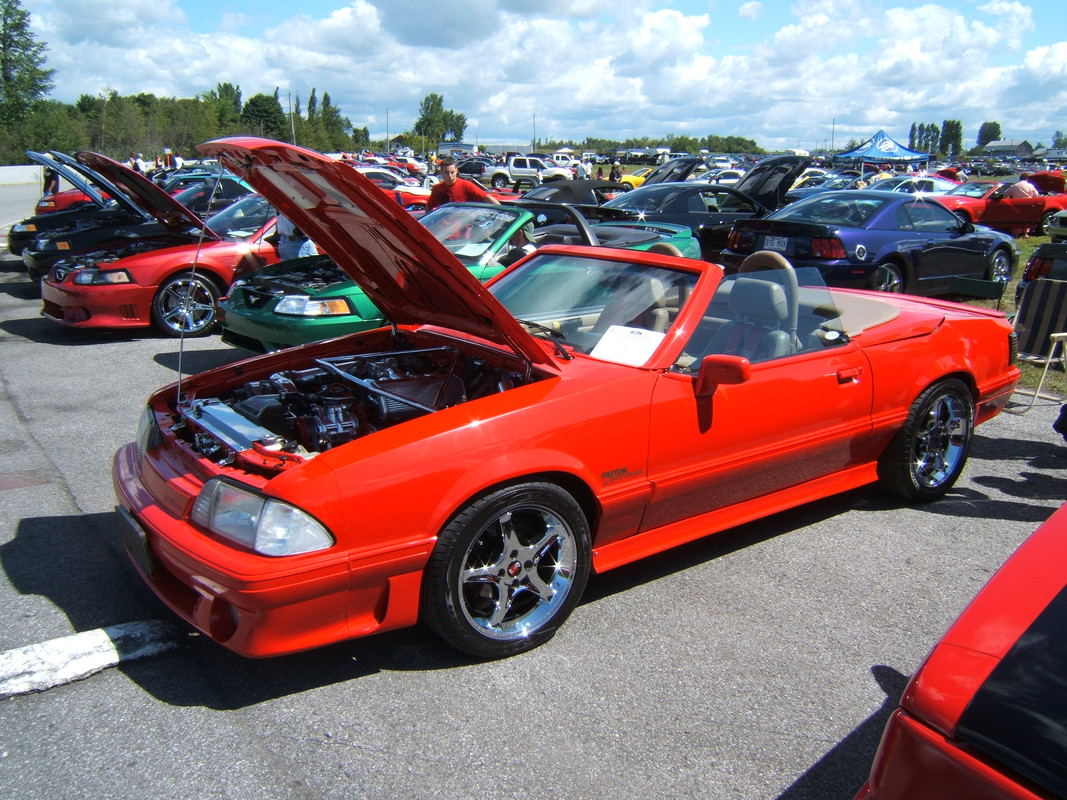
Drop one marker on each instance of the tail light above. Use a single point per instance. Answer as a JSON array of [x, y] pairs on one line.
[[1037, 268], [831, 249], [741, 241]]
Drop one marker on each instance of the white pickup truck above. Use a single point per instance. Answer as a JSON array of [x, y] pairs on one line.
[[524, 169]]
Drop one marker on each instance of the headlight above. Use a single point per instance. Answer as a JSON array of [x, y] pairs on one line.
[[300, 305], [97, 277], [23, 227], [269, 527]]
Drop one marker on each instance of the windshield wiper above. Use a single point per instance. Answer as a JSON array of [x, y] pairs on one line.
[[554, 335]]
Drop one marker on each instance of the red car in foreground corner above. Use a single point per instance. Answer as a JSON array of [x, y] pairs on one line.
[[471, 464], [986, 714]]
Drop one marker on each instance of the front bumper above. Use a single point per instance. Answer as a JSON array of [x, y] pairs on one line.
[[256, 605], [113, 306]]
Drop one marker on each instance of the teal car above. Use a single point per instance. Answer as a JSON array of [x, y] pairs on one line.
[[311, 299]]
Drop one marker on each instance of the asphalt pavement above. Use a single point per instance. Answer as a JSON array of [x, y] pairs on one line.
[[759, 663]]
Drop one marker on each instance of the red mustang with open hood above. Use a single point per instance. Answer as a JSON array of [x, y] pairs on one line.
[[472, 464]]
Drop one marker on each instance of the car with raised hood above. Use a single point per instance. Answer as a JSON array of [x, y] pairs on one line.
[[985, 202], [869, 239], [175, 289], [163, 223], [311, 299], [985, 715], [473, 463], [102, 204], [708, 209]]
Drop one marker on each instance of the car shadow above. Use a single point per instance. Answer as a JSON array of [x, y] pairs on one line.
[[191, 362], [78, 563], [43, 331], [840, 773]]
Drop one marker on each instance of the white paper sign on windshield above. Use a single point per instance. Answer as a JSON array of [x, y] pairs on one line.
[[624, 345]]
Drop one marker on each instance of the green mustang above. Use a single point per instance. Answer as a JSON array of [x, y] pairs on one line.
[[310, 299]]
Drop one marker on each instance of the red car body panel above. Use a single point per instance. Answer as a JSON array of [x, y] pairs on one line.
[[921, 756], [61, 200], [129, 305], [632, 444]]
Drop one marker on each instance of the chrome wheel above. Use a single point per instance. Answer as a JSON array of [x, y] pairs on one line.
[[1000, 266], [1046, 224], [185, 304], [927, 455], [508, 570], [887, 277], [940, 442]]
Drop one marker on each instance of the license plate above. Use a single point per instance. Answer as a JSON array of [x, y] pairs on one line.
[[135, 540], [777, 243]]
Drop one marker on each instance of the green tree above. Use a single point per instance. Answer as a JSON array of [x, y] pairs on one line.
[[989, 132], [431, 120], [952, 137], [23, 77], [1059, 141], [262, 115]]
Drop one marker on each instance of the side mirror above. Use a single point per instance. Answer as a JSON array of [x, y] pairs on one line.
[[716, 369]]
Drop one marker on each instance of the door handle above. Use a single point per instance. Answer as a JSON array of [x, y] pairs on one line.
[[849, 375]]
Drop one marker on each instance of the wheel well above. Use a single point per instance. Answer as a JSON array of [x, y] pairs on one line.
[[575, 486], [202, 272]]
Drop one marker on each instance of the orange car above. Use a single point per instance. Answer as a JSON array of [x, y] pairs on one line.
[[474, 462]]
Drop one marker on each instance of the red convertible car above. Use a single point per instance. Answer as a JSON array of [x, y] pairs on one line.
[[473, 463], [985, 716], [985, 203]]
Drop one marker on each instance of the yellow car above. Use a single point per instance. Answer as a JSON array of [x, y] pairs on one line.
[[637, 177]]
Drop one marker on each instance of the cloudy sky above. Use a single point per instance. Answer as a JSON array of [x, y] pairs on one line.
[[808, 73]]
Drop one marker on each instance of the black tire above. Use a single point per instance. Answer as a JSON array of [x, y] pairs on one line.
[[928, 453], [186, 304], [499, 181], [507, 570], [1000, 266], [887, 277], [1046, 223]]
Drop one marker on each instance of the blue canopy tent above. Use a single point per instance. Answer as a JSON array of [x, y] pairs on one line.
[[881, 149]]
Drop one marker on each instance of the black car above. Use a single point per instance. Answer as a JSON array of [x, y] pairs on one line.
[[165, 222], [709, 209], [106, 205], [1047, 261]]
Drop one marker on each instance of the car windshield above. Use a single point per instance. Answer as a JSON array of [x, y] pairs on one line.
[[970, 189], [242, 219], [468, 230], [615, 311], [833, 208], [647, 198]]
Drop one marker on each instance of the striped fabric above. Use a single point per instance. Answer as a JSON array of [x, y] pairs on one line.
[[1042, 312]]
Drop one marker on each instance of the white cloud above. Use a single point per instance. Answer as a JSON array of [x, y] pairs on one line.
[[591, 68]]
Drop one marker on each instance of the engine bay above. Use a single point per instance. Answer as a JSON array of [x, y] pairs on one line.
[[296, 414]]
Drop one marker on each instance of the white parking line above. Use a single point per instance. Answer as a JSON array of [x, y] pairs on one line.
[[38, 667]]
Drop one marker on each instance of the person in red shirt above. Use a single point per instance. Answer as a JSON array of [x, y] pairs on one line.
[[454, 189]]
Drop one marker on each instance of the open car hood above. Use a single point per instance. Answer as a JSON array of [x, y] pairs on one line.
[[70, 175], [1048, 181], [770, 179], [403, 269], [149, 197], [94, 185]]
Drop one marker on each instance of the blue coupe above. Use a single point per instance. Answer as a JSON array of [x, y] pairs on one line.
[[887, 241]]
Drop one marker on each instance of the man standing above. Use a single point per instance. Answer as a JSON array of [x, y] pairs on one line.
[[454, 189]]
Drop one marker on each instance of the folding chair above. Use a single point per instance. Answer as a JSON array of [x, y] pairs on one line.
[[977, 287], [1041, 327]]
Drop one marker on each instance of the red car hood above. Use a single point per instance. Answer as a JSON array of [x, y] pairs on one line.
[[1048, 181], [145, 193], [403, 269]]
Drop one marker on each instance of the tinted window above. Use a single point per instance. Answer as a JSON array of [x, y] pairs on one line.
[[1019, 716]]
